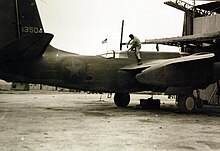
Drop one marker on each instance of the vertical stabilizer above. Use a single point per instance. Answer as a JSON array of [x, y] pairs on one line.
[[29, 17], [18, 18]]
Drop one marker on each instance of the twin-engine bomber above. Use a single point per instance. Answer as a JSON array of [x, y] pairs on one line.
[[26, 56]]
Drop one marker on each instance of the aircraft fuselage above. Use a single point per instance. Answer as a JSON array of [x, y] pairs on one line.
[[89, 73]]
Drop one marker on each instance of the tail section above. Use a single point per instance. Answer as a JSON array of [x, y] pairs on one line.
[[18, 18], [29, 18]]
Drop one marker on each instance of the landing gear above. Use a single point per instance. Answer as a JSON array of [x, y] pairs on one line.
[[186, 104], [122, 99], [199, 101]]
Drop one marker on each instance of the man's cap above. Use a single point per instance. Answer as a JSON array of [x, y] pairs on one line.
[[131, 35]]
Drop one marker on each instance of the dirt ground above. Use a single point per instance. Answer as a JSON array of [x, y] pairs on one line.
[[41, 121]]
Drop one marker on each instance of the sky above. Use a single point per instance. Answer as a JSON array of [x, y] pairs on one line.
[[80, 26]]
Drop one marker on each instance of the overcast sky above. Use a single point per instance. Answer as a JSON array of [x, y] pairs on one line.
[[80, 26]]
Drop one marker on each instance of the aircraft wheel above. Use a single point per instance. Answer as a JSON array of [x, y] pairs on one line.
[[186, 104], [122, 99]]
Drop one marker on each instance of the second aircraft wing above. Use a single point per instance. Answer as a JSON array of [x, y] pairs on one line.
[[189, 40]]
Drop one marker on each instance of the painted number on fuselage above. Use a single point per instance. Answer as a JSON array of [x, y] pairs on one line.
[[27, 29]]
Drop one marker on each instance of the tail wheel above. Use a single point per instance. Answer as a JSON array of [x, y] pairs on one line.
[[122, 99], [186, 103]]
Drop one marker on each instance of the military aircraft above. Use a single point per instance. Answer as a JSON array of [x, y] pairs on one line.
[[26, 56]]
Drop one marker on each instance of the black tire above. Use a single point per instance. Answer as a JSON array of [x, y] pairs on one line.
[[122, 99], [186, 104]]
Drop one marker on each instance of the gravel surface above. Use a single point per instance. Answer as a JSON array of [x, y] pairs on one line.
[[41, 121]]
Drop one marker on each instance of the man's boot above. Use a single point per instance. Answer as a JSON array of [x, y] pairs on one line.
[[139, 62]]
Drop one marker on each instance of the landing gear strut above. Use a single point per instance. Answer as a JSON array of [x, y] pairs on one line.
[[199, 101], [122, 99]]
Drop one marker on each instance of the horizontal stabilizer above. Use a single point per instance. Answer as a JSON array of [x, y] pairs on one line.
[[28, 47]]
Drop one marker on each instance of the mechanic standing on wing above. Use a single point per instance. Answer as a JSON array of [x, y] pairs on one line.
[[135, 46]]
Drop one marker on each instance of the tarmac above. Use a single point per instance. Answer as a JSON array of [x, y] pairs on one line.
[[54, 121]]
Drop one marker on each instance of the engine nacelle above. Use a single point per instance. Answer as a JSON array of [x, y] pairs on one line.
[[195, 75]]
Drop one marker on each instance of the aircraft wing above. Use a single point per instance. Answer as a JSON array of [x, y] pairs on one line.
[[190, 40], [161, 72], [140, 67], [165, 62]]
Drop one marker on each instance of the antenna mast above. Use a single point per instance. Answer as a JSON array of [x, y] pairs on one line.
[[122, 29]]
